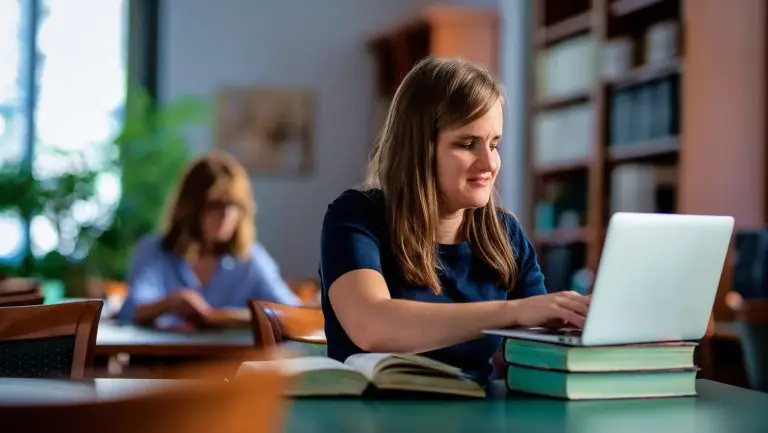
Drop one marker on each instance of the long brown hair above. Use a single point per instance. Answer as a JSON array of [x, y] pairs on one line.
[[437, 94], [212, 177]]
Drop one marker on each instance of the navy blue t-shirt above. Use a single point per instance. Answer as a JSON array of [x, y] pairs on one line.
[[355, 236]]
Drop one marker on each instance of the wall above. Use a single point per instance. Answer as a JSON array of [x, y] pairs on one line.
[[207, 44], [515, 17], [723, 157]]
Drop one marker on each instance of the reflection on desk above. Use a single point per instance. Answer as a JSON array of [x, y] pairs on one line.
[[53, 391]]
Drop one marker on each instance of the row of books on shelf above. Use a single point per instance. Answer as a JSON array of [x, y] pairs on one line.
[[638, 114], [566, 68], [634, 187], [574, 65], [564, 134], [645, 112]]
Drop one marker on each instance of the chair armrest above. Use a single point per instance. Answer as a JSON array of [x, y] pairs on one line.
[[287, 323]]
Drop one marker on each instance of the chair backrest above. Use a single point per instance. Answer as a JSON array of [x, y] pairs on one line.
[[251, 404], [49, 341], [16, 292], [264, 325], [274, 323]]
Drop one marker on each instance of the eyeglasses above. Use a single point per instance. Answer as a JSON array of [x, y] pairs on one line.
[[221, 206]]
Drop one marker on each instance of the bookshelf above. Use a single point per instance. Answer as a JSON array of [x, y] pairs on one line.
[[440, 30], [604, 123]]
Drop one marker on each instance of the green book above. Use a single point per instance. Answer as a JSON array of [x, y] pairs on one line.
[[602, 385], [656, 356]]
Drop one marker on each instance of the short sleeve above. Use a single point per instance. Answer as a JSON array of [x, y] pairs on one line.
[[268, 283], [530, 279], [144, 277], [348, 240]]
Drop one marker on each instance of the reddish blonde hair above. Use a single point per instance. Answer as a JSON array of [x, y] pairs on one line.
[[214, 176]]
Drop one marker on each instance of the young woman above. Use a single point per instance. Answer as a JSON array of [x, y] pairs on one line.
[[207, 257], [421, 260]]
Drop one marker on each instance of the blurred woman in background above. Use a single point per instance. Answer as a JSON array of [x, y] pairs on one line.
[[206, 259]]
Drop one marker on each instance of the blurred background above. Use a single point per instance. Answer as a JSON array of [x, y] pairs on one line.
[[613, 105]]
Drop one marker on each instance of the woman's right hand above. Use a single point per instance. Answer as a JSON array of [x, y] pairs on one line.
[[555, 310]]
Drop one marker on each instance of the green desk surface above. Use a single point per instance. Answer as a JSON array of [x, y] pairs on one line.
[[718, 408]]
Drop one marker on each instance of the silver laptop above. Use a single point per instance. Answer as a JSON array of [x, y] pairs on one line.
[[657, 280]]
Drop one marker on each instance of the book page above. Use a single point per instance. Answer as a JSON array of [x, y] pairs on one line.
[[313, 375], [366, 363], [431, 364], [295, 366], [371, 363]]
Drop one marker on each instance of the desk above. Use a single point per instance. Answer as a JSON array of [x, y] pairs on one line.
[[719, 408], [113, 338]]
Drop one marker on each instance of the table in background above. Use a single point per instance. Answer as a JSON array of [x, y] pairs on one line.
[[114, 338], [134, 351]]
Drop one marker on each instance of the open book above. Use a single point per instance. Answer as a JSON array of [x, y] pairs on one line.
[[366, 372]]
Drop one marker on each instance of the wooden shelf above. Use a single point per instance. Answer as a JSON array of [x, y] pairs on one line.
[[572, 26], [643, 150], [621, 8], [645, 74], [562, 236], [583, 186], [574, 98], [561, 167], [440, 30]]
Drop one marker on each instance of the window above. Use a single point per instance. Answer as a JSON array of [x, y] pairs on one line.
[[66, 82]]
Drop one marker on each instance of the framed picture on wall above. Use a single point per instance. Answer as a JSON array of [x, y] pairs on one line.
[[270, 130]]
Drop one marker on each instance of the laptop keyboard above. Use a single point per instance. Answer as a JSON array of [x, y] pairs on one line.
[[568, 332]]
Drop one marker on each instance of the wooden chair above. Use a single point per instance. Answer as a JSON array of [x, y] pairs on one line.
[[704, 353], [274, 323], [49, 341], [16, 292], [752, 322], [249, 404]]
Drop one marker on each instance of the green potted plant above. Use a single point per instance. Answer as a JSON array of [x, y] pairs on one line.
[[53, 197], [150, 153]]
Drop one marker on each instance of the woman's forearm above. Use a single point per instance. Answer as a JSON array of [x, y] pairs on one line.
[[405, 326], [146, 314]]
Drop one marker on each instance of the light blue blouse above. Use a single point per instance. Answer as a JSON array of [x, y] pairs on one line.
[[155, 272]]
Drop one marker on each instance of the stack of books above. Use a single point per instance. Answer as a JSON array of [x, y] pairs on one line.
[[601, 372]]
